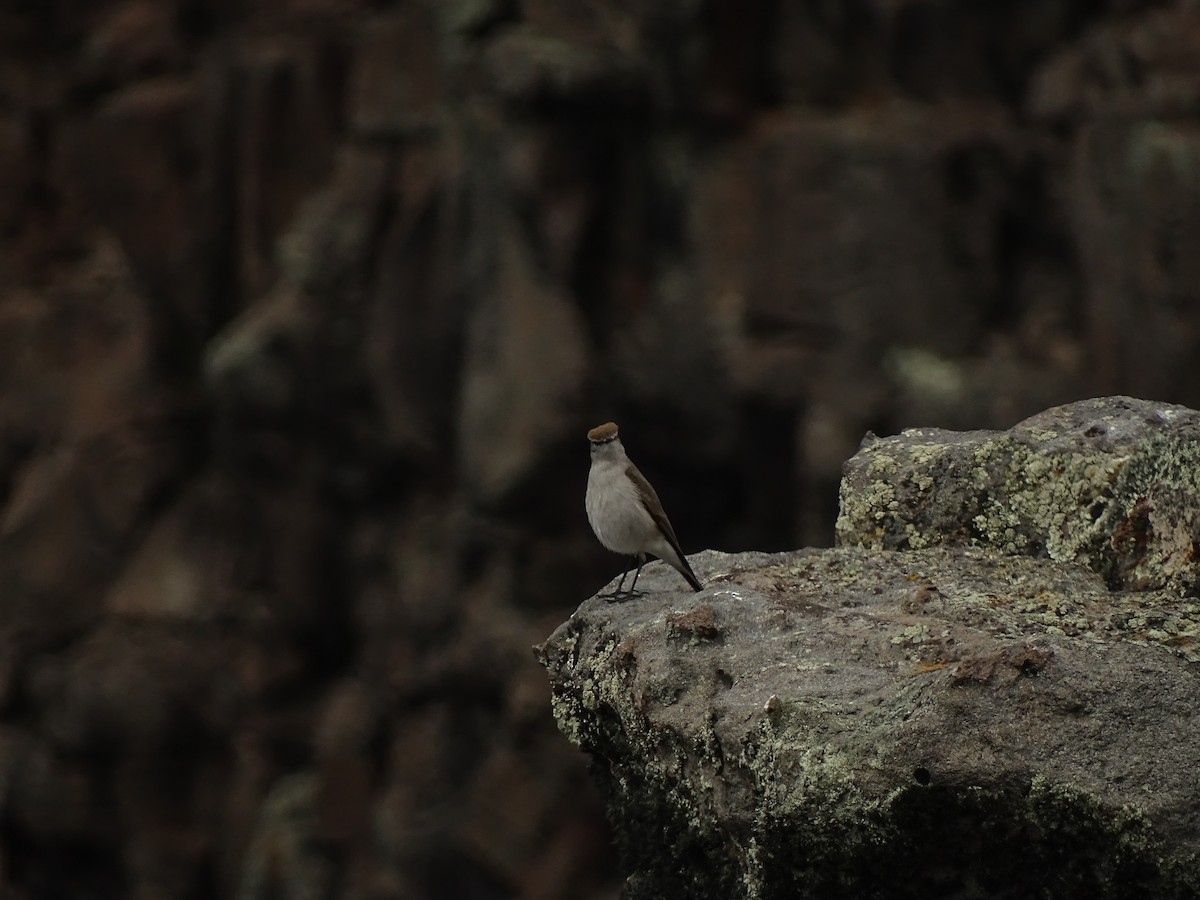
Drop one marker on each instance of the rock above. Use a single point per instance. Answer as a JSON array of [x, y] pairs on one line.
[[1131, 196], [135, 690], [396, 88], [526, 65], [18, 171], [284, 854], [132, 38], [253, 366], [850, 723], [1133, 205], [91, 440], [474, 16], [343, 734], [167, 575], [415, 313], [50, 796], [526, 358], [1094, 75], [145, 164], [265, 362], [989, 696], [824, 55], [328, 246], [1111, 483], [282, 97], [811, 314]]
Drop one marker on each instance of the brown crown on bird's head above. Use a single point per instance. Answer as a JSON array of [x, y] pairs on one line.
[[602, 434]]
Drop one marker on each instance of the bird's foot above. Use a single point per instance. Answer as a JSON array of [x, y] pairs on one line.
[[619, 596]]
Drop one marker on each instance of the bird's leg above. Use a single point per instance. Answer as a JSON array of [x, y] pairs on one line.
[[624, 575], [641, 562], [629, 564]]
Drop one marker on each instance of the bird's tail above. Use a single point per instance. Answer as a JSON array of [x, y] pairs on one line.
[[686, 571]]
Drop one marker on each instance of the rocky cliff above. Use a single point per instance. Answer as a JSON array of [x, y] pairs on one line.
[[305, 306]]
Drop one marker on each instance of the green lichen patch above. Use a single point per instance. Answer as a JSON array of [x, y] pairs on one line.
[[1113, 484]]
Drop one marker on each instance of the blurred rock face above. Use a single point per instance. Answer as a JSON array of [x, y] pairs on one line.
[[305, 308]]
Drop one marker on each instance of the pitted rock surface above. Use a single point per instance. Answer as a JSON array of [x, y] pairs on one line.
[[848, 723]]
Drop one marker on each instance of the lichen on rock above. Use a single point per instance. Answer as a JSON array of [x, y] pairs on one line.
[[1112, 483]]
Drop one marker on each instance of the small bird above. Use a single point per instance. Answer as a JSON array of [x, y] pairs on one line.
[[624, 511]]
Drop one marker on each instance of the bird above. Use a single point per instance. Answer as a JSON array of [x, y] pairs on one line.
[[625, 512]]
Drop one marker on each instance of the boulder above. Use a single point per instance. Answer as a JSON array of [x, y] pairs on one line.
[[1112, 483], [956, 718]]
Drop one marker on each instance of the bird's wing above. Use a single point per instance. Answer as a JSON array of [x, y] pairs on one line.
[[653, 506]]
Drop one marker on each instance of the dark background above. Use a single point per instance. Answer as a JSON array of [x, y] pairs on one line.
[[306, 306]]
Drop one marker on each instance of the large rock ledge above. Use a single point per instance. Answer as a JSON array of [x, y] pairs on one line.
[[952, 721]]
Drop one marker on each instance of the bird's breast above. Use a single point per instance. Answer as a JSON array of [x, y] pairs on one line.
[[616, 513]]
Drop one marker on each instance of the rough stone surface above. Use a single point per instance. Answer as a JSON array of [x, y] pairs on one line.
[[853, 723], [1111, 483]]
